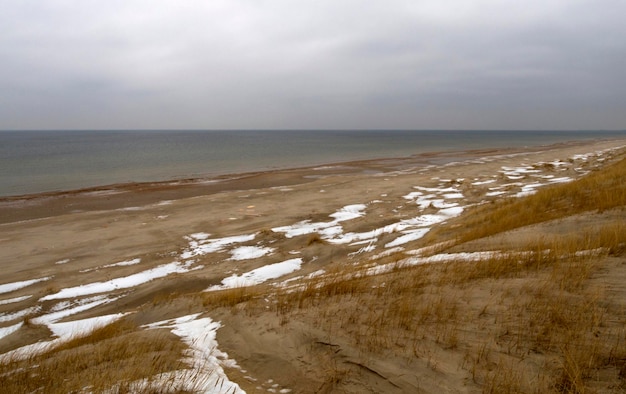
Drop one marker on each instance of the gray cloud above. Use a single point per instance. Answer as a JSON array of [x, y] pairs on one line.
[[312, 64]]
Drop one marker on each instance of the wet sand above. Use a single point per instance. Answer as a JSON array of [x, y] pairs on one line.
[[117, 196]]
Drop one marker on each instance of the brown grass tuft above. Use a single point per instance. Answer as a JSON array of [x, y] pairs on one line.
[[107, 358]]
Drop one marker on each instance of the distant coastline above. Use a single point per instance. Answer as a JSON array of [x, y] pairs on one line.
[[34, 162]]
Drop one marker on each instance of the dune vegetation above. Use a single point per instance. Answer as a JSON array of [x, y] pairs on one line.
[[542, 310]]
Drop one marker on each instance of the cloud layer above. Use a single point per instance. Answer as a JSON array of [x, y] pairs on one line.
[[312, 64]]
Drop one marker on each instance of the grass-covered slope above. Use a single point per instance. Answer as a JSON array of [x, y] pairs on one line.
[[598, 191]]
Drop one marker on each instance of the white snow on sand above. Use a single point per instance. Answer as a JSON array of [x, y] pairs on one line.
[[199, 244], [453, 195], [519, 172], [563, 179], [120, 264], [9, 287], [64, 332], [6, 331], [249, 252], [63, 310], [81, 328], [123, 263], [259, 275], [423, 224], [438, 258], [529, 189], [478, 183], [206, 374], [348, 212], [200, 236], [412, 235], [119, 283], [14, 300], [5, 317], [451, 212], [367, 236], [438, 189]]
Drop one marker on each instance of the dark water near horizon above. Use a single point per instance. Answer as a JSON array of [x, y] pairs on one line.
[[40, 161]]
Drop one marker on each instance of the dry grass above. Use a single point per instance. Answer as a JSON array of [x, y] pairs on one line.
[[231, 297], [544, 327], [551, 333], [598, 191], [116, 354]]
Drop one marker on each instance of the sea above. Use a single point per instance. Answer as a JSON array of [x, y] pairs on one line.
[[59, 160]]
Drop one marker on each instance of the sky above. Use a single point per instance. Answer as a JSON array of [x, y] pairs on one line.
[[324, 64]]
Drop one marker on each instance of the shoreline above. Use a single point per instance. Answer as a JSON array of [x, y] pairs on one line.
[[152, 255], [126, 195]]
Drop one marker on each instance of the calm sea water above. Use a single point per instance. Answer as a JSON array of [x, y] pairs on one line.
[[38, 161]]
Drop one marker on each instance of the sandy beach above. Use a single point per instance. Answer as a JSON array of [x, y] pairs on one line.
[[122, 250]]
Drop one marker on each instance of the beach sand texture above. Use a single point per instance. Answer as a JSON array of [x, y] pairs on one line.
[[159, 255]]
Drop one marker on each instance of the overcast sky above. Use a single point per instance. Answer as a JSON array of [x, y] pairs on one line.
[[304, 64]]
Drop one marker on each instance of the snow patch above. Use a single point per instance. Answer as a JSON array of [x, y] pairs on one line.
[[329, 229], [249, 252], [14, 300], [119, 283], [9, 287], [200, 245], [206, 374], [259, 275]]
